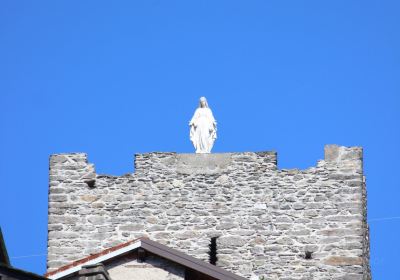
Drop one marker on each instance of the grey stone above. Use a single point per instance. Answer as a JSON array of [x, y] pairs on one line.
[[231, 241], [58, 198], [131, 227]]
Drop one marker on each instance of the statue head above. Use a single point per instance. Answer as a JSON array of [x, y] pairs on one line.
[[203, 102]]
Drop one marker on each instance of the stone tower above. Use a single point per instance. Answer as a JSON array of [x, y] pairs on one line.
[[277, 223]]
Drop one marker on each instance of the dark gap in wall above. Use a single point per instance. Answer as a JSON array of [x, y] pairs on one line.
[[213, 251], [308, 255], [90, 183]]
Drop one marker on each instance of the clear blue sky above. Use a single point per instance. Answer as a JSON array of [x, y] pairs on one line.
[[114, 78]]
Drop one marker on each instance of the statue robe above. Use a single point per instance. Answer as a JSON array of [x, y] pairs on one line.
[[203, 130]]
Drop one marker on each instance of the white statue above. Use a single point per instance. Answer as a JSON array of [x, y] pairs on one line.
[[203, 128]]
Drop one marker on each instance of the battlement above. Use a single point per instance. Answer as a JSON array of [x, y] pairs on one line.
[[203, 163], [278, 223]]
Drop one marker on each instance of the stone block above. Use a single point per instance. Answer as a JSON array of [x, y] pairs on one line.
[[131, 227], [231, 241], [342, 261], [335, 153], [58, 198]]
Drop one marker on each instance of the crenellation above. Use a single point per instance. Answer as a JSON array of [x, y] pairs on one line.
[[266, 219]]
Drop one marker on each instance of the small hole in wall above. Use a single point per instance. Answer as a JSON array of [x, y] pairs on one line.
[[213, 251], [308, 255], [90, 183]]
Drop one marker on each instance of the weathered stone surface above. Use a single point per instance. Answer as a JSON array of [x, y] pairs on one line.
[[337, 260], [231, 241], [89, 198], [131, 227], [265, 219], [201, 163], [152, 268]]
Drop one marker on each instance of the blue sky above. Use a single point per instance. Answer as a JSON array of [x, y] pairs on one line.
[[116, 78]]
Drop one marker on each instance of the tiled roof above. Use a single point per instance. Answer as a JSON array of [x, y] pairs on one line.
[[152, 247], [91, 257]]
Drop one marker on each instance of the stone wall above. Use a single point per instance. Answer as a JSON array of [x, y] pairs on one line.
[[153, 268], [283, 224]]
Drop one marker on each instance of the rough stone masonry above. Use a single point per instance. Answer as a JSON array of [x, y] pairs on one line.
[[276, 223]]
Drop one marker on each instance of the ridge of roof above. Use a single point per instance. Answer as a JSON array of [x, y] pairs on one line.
[[31, 275], [152, 247], [6, 267], [92, 257], [188, 261]]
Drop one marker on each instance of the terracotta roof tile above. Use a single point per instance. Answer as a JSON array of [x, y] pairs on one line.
[[91, 257]]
